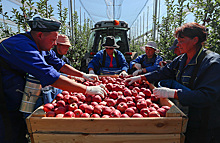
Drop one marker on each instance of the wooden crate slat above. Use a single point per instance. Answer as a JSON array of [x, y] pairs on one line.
[[109, 125], [108, 138]]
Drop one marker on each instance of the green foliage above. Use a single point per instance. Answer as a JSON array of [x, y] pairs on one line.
[[168, 25], [207, 13], [62, 15], [44, 10]]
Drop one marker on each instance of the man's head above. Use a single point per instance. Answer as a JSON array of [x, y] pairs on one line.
[[110, 45], [150, 49], [44, 32], [63, 44], [175, 48]]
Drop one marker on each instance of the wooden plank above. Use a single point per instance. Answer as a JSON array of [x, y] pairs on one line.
[[107, 125], [107, 138]]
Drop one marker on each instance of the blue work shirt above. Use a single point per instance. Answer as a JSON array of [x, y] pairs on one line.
[[149, 64], [22, 55], [205, 92], [96, 62]]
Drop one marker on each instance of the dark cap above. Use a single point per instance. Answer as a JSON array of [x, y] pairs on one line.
[[174, 45], [43, 24], [110, 41]]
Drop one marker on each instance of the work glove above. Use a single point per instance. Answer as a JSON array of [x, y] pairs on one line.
[[90, 77], [137, 66], [93, 90], [137, 72], [91, 72], [164, 92], [123, 73], [133, 79], [77, 78]]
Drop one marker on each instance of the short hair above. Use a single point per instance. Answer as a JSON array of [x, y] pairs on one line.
[[191, 30]]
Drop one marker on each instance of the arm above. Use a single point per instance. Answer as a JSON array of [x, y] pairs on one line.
[[65, 83], [156, 65], [137, 60]]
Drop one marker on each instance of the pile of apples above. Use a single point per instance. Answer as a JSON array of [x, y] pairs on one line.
[[122, 101]]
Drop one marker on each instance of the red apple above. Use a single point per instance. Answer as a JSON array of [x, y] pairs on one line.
[[154, 114], [48, 107], [59, 97], [98, 109], [78, 112], [66, 98], [147, 92], [106, 110], [95, 116], [137, 89], [105, 116], [122, 107], [124, 116], [60, 115], [83, 106], [121, 99], [50, 114], [110, 102], [103, 103], [94, 104], [60, 110], [109, 86], [166, 107], [85, 115], [89, 109], [115, 114], [73, 99], [131, 104], [154, 98], [137, 115], [130, 112], [65, 92], [149, 102], [145, 112], [96, 98], [141, 104], [61, 103], [162, 112], [73, 107], [155, 106], [129, 98], [127, 92], [69, 114], [113, 94]]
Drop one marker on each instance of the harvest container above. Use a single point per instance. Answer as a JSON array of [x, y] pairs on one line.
[[167, 129]]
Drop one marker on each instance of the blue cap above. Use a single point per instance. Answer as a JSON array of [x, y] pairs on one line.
[[43, 24], [174, 45]]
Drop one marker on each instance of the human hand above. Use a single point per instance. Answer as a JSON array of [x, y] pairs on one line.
[[93, 90], [90, 77], [123, 73], [137, 66], [133, 79], [91, 72], [137, 72], [164, 92]]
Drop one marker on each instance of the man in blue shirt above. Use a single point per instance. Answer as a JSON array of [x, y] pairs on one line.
[[109, 60], [31, 53], [147, 62]]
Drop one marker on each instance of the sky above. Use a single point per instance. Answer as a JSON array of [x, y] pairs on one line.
[[133, 12]]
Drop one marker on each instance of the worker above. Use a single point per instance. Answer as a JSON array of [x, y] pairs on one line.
[[147, 62], [109, 60], [176, 51], [198, 70], [31, 53]]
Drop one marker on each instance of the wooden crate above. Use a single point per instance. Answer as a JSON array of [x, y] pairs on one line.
[[167, 129]]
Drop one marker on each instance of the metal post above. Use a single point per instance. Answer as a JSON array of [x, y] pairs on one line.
[[155, 20]]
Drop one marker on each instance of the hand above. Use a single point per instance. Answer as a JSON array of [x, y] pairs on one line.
[[91, 72], [137, 72], [93, 90], [133, 79], [123, 73], [164, 92], [137, 66], [90, 77]]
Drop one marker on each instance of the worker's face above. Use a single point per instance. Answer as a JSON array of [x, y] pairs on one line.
[[177, 51], [46, 40], [186, 44], [62, 49], [109, 50], [149, 52]]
